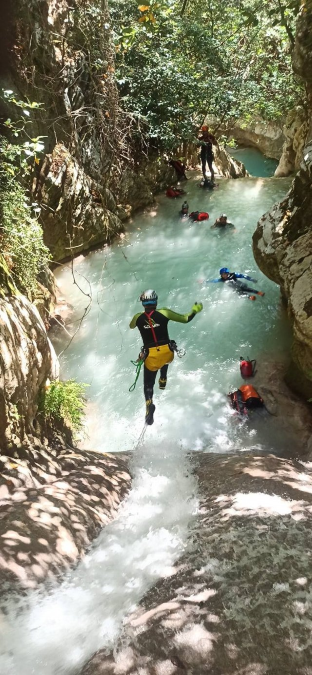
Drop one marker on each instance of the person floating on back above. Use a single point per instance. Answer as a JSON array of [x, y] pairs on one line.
[[222, 222], [158, 349], [231, 278]]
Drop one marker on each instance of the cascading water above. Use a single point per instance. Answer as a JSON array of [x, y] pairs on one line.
[[55, 633]]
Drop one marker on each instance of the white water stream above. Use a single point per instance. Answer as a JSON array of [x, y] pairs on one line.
[[55, 633]]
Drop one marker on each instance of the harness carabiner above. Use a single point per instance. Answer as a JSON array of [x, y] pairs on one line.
[[174, 348]]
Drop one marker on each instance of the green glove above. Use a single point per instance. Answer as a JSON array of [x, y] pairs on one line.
[[197, 307]]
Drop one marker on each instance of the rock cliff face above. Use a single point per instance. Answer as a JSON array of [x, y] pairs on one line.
[[284, 141], [27, 359], [223, 609], [267, 137], [283, 239], [295, 132]]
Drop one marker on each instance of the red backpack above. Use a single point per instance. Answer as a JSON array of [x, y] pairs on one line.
[[198, 216], [247, 367]]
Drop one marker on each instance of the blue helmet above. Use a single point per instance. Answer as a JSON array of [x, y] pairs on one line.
[[224, 270], [148, 297]]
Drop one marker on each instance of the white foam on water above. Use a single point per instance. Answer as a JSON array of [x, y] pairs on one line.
[[56, 633]]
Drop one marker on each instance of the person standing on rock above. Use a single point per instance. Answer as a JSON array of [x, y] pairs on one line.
[[158, 350], [207, 140]]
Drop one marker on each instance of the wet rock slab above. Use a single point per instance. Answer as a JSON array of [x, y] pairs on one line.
[[51, 508], [239, 600]]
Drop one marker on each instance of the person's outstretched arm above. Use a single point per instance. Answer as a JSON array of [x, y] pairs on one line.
[[244, 276], [134, 320], [182, 318]]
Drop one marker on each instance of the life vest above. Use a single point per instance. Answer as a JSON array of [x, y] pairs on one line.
[[247, 368], [197, 216], [245, 398]]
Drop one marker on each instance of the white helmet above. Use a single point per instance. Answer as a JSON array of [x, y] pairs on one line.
[[149, 297], [223, 215]]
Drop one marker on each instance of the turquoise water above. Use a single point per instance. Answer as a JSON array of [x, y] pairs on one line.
[[255, 162], [160, 251], [151, 532]]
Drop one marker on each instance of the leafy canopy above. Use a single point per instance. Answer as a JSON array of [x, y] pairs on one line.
[[180, 60]]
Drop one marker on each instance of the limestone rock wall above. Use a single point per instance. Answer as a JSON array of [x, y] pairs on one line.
[[268, 137], [295, 132], [283, 240], [27, 359]]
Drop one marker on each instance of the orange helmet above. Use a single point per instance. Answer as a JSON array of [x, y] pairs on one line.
[[204, 128]]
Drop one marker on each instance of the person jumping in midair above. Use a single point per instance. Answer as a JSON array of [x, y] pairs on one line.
[[231, 278], [158, 349]]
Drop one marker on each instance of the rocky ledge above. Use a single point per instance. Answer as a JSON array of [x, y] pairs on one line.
[[238, 601], [53, 504]]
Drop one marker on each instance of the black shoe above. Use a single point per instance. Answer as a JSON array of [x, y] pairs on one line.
[[162, 382], [149, 415]]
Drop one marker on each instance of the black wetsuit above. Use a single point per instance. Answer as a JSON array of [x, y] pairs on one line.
[[232, 280], [154, 324], [238, 286]]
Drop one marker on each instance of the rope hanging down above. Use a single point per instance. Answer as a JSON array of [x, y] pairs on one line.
[[138, 364]]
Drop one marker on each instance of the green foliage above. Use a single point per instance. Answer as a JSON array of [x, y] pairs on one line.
[[21, 239], [64, 401], [226, 58]]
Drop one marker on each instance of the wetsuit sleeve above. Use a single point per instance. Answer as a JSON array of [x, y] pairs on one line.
[[134, 320], [174, 316], [243, 276]]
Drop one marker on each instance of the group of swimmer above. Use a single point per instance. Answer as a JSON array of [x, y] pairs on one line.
[[206, 140], [158, 350]]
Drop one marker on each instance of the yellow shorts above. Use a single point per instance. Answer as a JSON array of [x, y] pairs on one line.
[[158, 357]]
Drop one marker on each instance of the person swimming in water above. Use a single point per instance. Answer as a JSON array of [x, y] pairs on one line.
[[222, 222], [184, 208], [232, 278]]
